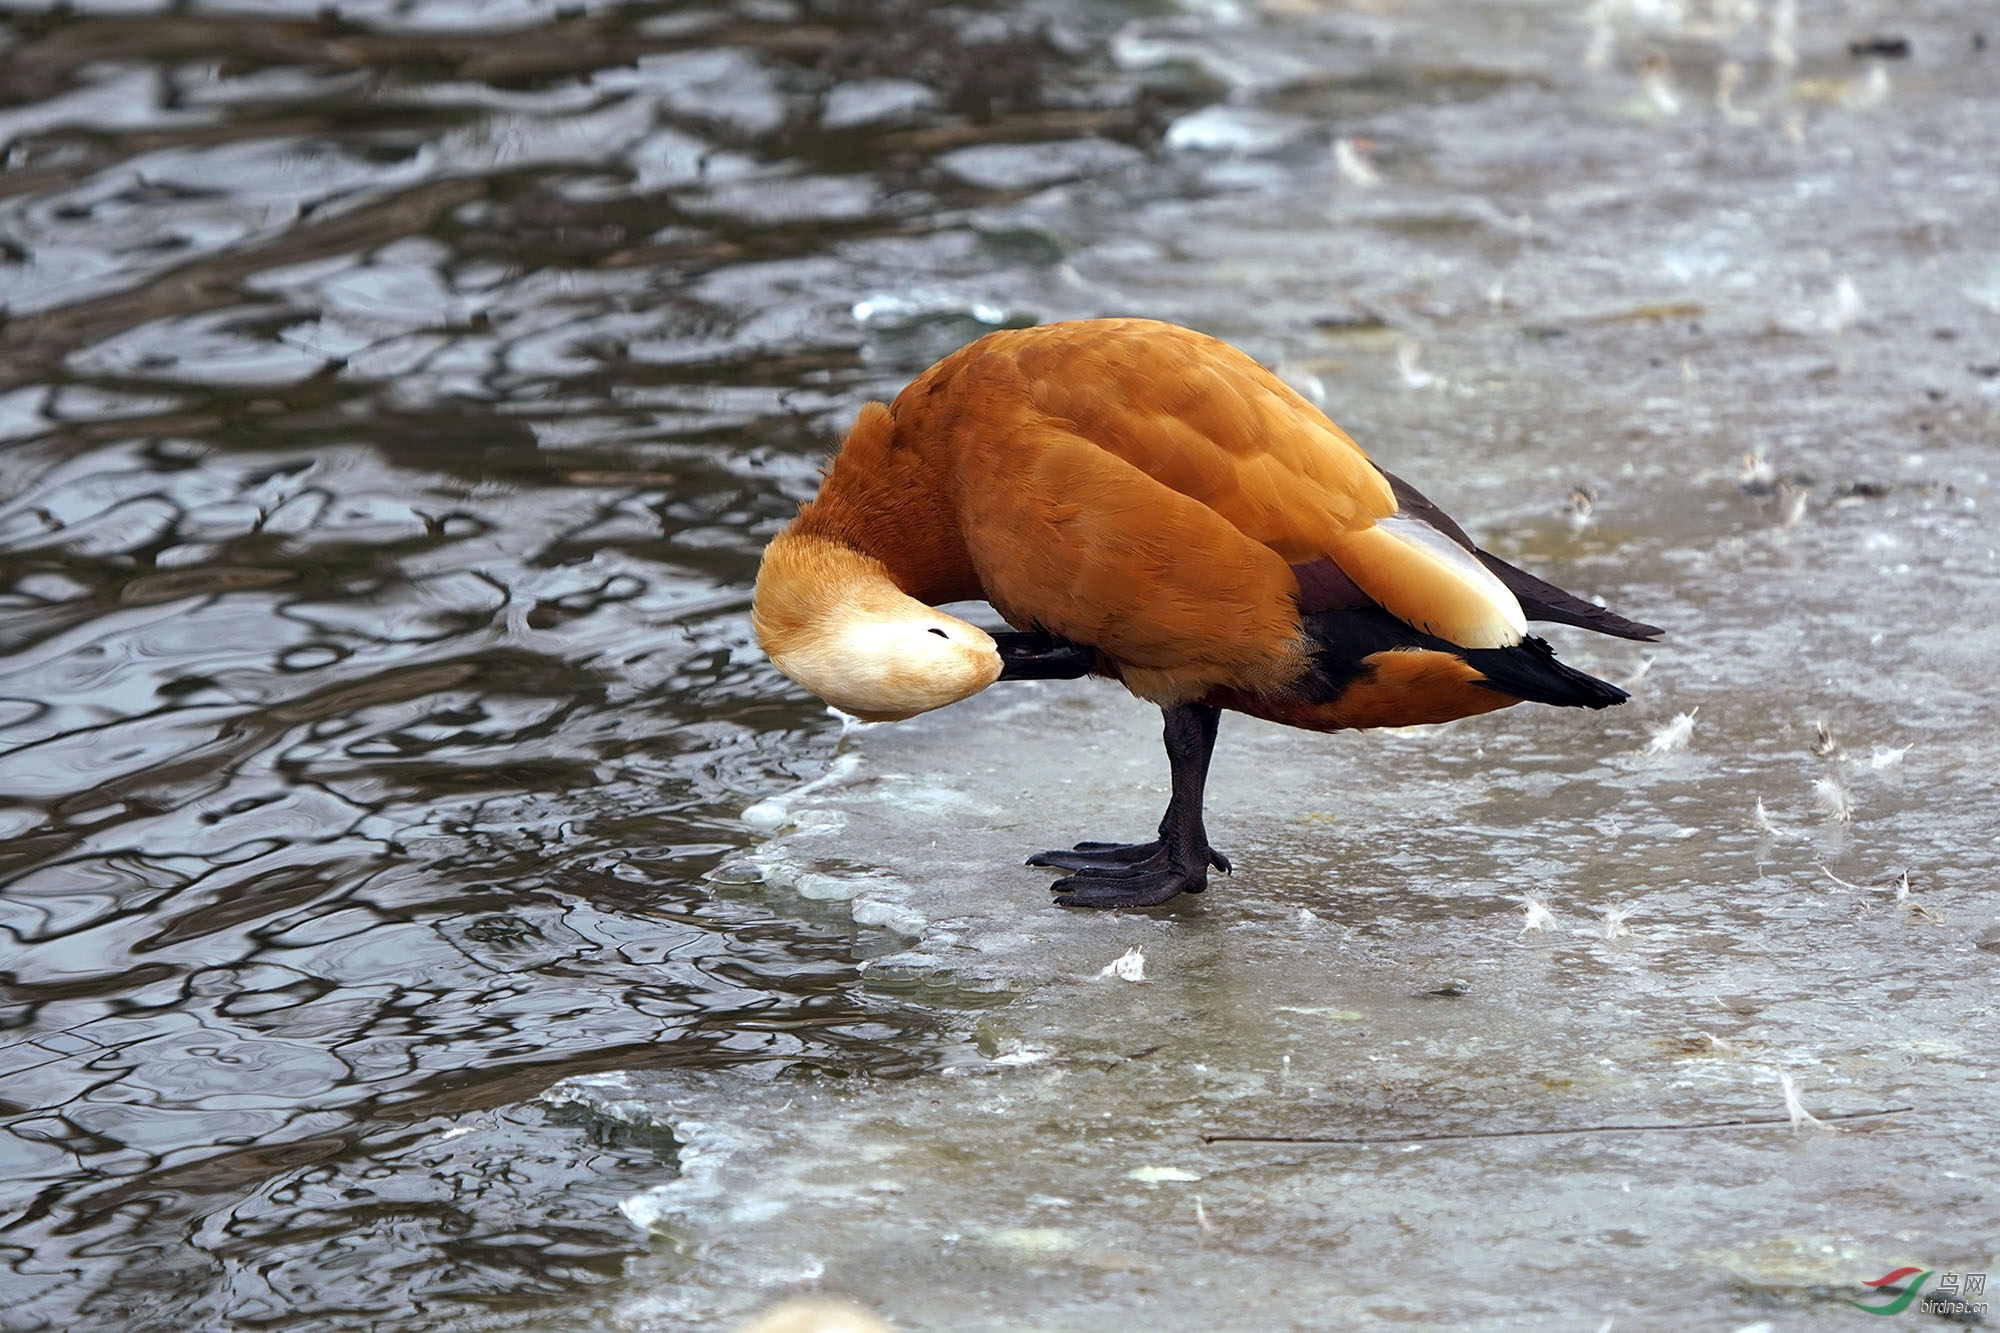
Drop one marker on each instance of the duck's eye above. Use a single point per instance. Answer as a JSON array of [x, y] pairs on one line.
[[940, 633]]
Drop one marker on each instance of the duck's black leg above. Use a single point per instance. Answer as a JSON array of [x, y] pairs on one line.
[[1148, 873]]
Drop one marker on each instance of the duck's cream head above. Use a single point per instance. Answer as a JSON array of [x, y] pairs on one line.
[[833, 620]]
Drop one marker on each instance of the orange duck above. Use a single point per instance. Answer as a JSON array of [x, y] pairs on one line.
[[1147, 503]]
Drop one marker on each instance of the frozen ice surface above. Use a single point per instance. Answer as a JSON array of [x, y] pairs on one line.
[[1049, 1169]]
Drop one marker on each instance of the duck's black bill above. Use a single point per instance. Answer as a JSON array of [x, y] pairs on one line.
[[1041, 656]]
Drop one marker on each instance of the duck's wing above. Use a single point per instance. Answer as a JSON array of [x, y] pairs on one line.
[[1204, 420], [1070, 538]]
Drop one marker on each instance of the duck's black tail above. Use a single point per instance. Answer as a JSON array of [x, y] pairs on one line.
[[1529, 670]]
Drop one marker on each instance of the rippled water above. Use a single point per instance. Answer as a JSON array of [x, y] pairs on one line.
[[394, 401]]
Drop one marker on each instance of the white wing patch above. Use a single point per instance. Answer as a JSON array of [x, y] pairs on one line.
[[1466, 567], [1426, 579]]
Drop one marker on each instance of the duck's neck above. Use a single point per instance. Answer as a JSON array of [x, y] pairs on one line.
[[886, 498]]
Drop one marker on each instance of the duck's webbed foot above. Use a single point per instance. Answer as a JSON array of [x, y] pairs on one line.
[[1129, 858], [1143, 883], [1146, 874], [1129, 888]]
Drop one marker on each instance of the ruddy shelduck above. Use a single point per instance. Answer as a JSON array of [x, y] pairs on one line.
[[1143, 502]]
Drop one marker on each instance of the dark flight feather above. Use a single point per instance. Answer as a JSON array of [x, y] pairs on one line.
[[1540, 600]]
